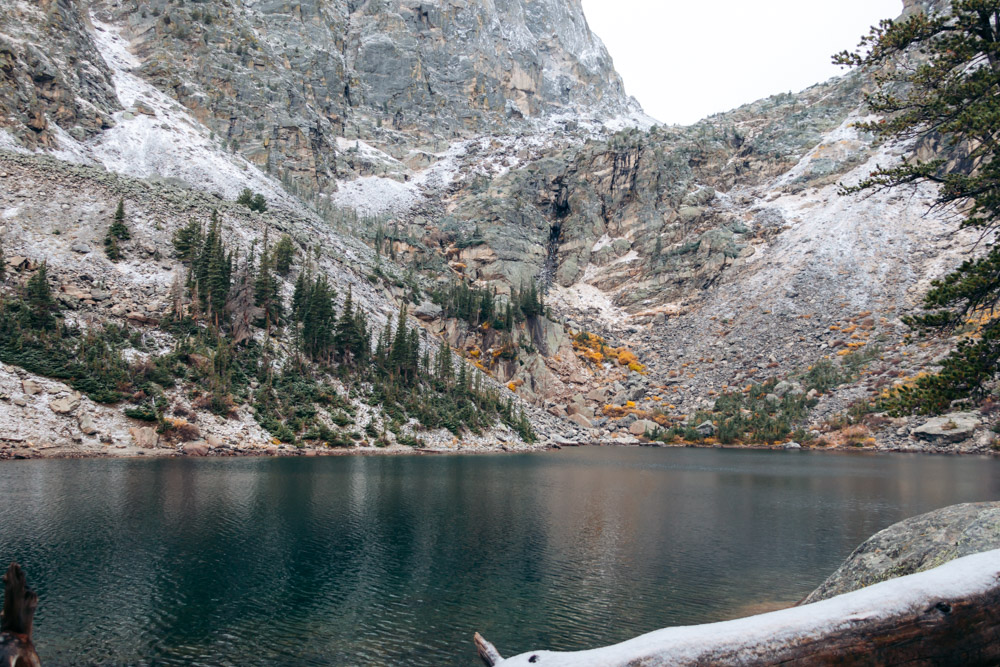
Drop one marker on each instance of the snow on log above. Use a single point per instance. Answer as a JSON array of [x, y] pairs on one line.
[[488, 653], [946, 616]]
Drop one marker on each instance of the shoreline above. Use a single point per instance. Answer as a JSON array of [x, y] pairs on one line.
[[30, 453]]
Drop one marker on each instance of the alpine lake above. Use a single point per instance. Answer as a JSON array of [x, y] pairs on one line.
[[399, 560]]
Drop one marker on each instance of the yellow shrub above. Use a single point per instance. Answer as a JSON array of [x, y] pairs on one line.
[[625, 358]]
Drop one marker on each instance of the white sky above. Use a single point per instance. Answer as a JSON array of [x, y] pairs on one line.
[[687, 59]]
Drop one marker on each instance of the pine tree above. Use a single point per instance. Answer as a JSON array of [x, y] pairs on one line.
[[363, 336], [187, 241], [267, 289], [938, 79], [399, 351], [381, 346], [284, 252], [318, 319], [254, 202], [445, 370], [118, 228], [300, 297], [111, 249], [38, 297], [211, 268], [348, 339], [413, 358], [117, 231]]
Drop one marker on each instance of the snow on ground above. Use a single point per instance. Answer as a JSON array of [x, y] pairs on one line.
[[155, 136], [602, 243], [375, 195], [583, 297], [865, 250], [368, 152], [748, 639], [9, 143], [630, 256], [838, 145]]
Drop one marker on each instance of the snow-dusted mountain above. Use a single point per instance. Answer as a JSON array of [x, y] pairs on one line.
[[481, 141]]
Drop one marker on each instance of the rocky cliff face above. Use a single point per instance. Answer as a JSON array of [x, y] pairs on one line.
[[282, 82], [52, 78]]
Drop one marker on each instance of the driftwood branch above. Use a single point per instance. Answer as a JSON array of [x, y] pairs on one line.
[[19, 604], [946, 616]]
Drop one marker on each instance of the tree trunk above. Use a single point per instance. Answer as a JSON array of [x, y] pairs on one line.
[[946, 616], [19, 604]]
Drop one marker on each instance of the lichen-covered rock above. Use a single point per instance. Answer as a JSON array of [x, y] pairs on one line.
[[949, 428], [921, 543]]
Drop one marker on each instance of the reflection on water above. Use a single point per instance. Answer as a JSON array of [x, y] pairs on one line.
[[397, 561]]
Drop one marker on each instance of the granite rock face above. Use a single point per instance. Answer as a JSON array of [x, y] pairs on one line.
[[281, 81], [52, 78], [921, 543]]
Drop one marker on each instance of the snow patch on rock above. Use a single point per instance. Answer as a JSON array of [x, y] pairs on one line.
[[375, 196]]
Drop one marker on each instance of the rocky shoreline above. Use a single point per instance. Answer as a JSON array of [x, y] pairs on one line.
[[24, 450]]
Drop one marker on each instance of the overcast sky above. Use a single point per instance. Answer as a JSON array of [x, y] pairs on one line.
[[686, 59]]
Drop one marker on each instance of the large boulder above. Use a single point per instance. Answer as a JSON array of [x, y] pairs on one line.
[[86, 423], [952, 427], [199, 448], [428, 312], [66, 405], [145, 436], [706, 429], [581, 420], [786, 387], [600, 394], [921, 543], [642, 426]]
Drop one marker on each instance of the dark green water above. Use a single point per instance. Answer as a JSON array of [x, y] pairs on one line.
[[397, 561]]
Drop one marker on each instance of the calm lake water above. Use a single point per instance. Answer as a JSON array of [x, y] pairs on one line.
[[397, 561]]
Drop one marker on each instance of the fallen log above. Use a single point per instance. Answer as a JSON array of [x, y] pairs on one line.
[[488, 653], [946, 616], [19, 604]]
